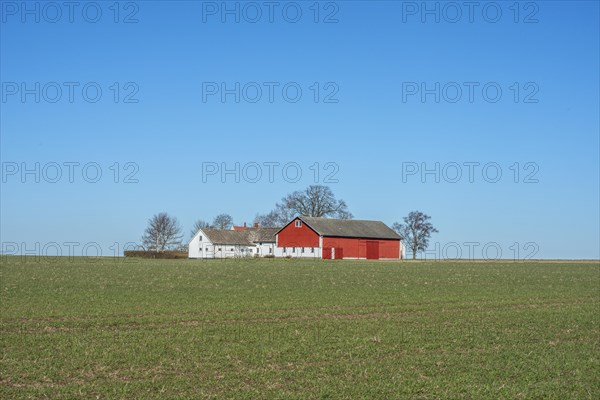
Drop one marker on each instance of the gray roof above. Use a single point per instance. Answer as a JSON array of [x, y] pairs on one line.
[[262, 235], [223, 236], [246, 237], [353, 228]]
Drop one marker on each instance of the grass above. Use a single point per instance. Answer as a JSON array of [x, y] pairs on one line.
[[292, 329]]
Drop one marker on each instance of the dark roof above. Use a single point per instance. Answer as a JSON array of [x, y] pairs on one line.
[[246, 237], [222, 236], [353, 228]]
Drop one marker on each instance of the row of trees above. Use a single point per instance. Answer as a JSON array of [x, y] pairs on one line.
[[164, 232]]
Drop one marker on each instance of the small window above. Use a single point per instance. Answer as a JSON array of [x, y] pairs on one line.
[[250, 250], [270, 250], [200, 237], [298, 223], [206, 249], [293, 249], [285, 250], [232, 249], [219, 249], [200, 248], [312, 249], [302, 250]]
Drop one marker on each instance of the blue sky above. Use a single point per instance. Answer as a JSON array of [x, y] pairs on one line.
[[371, 62]]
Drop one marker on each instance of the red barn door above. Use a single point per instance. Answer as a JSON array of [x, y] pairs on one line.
[[372, 250], [333, 253]]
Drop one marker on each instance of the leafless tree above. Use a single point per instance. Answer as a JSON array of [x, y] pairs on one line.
[[223, 221], [200, 224], [269, 220], [314, 201], [415, 231], [163, 233], [277, 218]]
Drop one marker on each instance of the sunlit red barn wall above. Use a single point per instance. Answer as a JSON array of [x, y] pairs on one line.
[[357, 248], [292, 236]]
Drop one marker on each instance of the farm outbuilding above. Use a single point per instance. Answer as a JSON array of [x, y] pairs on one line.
[[338, 238]]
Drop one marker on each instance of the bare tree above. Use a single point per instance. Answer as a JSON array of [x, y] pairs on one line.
[[200, 224], [314, 201], [163, 233], [276, 218], [317, 201], [415, 231], [223, 221], [269, 220]]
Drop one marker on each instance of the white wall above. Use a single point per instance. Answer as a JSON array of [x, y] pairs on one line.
[[265, 249], [228, 251], [309, 252], [194, 245]]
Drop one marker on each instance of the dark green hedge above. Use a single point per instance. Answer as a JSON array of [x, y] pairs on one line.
[[154, 254]]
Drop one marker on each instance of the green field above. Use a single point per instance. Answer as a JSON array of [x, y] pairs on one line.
[[298, 329]]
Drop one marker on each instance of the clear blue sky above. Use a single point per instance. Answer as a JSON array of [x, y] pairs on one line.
[[373, 62]]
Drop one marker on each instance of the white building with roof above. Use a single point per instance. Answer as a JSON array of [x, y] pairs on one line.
[[221, 243]]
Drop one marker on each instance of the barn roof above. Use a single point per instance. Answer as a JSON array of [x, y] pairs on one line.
[[353, 228], [222, 236], [246, 237], [263, 235]]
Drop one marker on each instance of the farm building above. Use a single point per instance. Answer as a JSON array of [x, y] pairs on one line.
[[305, 237], [338, 238], [221, 243]]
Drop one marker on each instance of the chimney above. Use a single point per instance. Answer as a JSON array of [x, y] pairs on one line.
[[244, 224]]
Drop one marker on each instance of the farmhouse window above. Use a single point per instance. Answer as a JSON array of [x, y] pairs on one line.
[[285, 249], [200, 248], [298, 224], [219, 249], [312, 249], [232, 249], [200, 238], [270, 250], [293, 249], [302, 250], [207, 249]]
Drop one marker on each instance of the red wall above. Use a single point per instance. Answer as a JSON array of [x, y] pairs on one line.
[[290, 236], [357, 248]]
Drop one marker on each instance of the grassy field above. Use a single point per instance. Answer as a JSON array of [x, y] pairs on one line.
[[290, 329]]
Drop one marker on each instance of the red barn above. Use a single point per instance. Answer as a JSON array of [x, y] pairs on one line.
[[338, 238]]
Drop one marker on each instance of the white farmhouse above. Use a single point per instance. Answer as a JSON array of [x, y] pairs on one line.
[[220, 243]]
